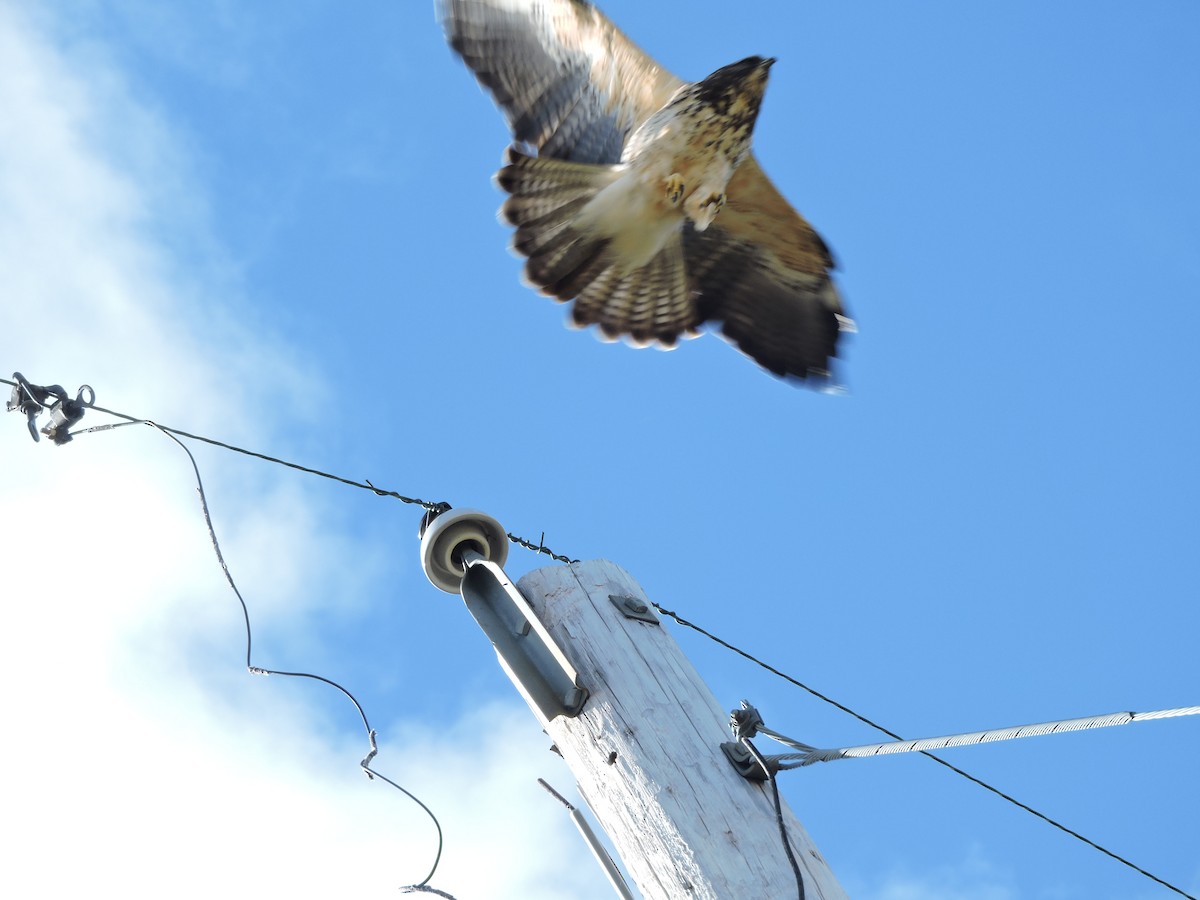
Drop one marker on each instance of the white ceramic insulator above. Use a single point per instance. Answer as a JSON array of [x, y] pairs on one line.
[[449, 534]]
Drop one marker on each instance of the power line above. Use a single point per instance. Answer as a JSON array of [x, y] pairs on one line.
[[437, 507], [366, 485]]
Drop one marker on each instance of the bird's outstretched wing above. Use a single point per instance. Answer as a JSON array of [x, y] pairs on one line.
[[573, 87], [569, 82], [764, 274]]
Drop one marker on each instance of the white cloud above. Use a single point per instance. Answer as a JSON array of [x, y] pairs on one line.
[[124, 769]]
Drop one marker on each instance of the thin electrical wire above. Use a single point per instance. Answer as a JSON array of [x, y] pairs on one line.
[[542, 549], [783, 834], [365, 484], [937, 759], [257, 670]]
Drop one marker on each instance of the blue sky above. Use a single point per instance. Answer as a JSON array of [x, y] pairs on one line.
[[276, 226]]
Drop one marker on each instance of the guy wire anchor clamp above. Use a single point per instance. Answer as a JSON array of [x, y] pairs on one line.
[[462, 551], [746, 723]]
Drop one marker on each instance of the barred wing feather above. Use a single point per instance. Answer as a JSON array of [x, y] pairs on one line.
[[764, 274], [569, 82]]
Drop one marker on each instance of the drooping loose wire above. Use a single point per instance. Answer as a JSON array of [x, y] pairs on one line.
[[257, 670]]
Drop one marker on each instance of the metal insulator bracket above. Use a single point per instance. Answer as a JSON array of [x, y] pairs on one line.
[[462, 552]]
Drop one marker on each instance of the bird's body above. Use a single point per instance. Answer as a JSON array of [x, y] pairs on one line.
[[640, 200], [694, 143]]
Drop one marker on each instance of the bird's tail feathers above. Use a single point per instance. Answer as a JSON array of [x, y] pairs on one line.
[[586, 236], [546, 198], [651, 304]]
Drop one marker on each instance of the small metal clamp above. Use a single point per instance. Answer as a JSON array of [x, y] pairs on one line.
[[31, 399], [66, 412], [745, 763], [745, 723]]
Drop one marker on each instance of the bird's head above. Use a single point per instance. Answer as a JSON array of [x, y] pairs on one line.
[[744, 80]]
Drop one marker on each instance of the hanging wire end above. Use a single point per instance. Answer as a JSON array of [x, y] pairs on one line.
[[555, 794]]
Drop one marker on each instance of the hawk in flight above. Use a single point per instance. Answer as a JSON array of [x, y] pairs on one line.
[[635, 194]]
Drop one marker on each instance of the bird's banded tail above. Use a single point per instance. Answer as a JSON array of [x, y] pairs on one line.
[[574, 222]]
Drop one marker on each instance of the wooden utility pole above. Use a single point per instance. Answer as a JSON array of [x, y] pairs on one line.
[[639, 729]]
